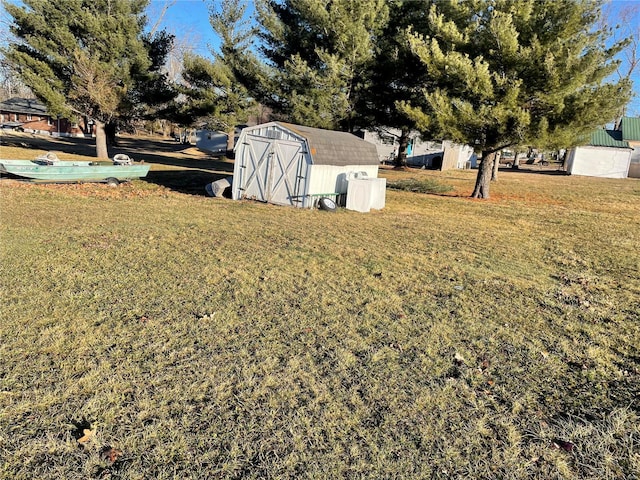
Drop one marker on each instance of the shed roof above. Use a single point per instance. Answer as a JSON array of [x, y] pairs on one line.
[[608, 138], [329, 147], [630, 128], [23, 105]]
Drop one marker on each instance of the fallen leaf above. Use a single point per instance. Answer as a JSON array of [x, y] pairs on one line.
[[87, 437], [563, 445], [458, 359], [111, 454]]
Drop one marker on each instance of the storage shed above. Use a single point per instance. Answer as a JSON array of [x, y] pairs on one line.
[[607, 155], [295, 165], [630, 128], [458, 156]]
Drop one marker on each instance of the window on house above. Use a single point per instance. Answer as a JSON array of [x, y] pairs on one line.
[[49, 121], [29, 118], [387, 139]]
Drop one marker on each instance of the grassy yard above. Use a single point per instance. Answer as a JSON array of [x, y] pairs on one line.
[[149, 333]]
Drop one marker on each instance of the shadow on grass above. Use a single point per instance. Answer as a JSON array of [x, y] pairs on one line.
[[538, 170], [75, 145], [191, 182], [193, 169]]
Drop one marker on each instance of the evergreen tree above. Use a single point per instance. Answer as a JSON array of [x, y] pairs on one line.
[[215, 95], [319, 53], [394, 74], [80, 57], [514, 72], [152, 92]]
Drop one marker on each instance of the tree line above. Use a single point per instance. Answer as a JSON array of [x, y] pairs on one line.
[[489, 73]]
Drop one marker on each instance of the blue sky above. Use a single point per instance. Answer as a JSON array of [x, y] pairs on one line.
[[189, 20]]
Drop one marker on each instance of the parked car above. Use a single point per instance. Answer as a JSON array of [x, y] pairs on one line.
[[507, 158], [537, 159]]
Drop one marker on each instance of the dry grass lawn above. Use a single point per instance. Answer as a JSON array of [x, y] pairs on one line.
[[147, 331]]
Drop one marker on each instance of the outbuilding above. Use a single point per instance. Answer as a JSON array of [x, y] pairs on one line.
[[295, 165], [630, 128], [607, 156], [458, 156]]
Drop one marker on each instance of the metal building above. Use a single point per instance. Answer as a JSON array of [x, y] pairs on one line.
[[607, 155]]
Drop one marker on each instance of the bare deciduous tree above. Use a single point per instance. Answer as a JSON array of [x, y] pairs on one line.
[[627, 20]]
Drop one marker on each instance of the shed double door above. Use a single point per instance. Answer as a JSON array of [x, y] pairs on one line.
[[273, 170]]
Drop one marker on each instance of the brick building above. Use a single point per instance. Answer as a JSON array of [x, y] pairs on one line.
[[30, 115]]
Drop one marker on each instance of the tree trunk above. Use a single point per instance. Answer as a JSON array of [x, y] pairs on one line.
[[101, 141], [110, 129], [231, 139], [401, 158], [483, 179], [496, 166]]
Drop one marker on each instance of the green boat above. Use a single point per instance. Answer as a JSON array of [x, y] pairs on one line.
[[49, 169]]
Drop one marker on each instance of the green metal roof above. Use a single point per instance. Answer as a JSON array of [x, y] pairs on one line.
[[608, 138], [630, 128]]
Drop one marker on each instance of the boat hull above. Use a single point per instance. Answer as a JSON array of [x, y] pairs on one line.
[[72, 171]]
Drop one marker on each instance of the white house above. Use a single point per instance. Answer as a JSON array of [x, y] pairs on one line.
[[443, 155], [419, 152]]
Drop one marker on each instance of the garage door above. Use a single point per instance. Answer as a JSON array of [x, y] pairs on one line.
[[273, 171]]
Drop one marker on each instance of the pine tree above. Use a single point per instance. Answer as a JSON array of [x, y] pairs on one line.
[[319, 53], [514, 72], [394, 75], [216, 97], [152, 93], [80, 57]]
